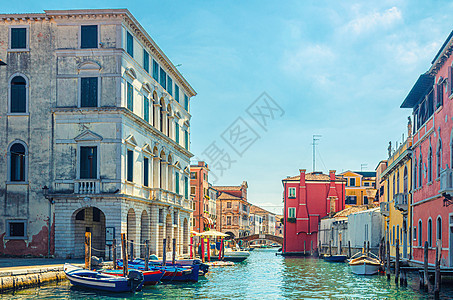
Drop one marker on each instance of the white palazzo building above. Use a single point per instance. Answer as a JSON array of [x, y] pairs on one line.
[[95, 111]]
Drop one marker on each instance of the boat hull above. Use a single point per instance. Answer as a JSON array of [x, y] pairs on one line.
[[364, 269], [335, 258], [152, 277]]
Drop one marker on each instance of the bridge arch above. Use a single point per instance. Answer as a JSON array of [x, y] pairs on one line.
[[253, 237]]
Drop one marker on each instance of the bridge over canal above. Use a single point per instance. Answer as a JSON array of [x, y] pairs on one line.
[[255, 237]]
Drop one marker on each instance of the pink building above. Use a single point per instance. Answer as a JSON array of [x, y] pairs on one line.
[[432, 157], [308, 198]]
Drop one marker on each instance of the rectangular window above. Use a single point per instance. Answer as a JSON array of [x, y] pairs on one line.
[[228, 220], [291, 212], [170, 86], [291, 192], [130, 44], [193, 175], [18, 38], [146, 171], [130, 165], [89, 92], [177, 133], [146, 109], [88, 162], [163, 78], [177, 182], [186, 139], [130, 97], [161, 216], [176, 93], [351, 200], [16, 229], [89, 36], [186, 187], [192, 190], [186, 102], [351, 181], [155, 71], [228, 204], [415, 233], [366, 184], [365, 200], [145, 60]]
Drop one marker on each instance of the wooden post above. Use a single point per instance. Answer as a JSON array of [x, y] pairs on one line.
[[88, 250], [437, 274], [208, 242], [124, 250], [305, 246], [191, 247], [349, 249], [174, 252], [330, 248], [114, 254], [425, 267], [364, 247], [339, 247], [146, 255], [202, 249], [311, 252], [368, 247], [164, 257], [388, 260], [132, 250], [397, 261]]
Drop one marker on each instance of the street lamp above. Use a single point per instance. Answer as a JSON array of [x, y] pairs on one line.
[[2, 63]]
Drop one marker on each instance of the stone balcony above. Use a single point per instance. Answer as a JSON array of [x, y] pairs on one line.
[[162, 195], [446, 182], [402, 201], [385, 208], [87, 186]]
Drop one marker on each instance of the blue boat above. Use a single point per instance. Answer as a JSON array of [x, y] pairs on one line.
[[335, 258], [98, 281], [172, 273], [152, 276]]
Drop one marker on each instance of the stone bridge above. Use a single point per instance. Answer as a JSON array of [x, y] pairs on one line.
[[253, 237]]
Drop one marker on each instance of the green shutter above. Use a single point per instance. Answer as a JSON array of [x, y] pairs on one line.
[[130, 97], [155, 71], [177, 182], [130, 165], [177, 93], [130, 44], [145, 60], [146, 109], [145, 171], [177, 133]]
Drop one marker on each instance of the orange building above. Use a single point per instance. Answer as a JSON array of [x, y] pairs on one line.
[[199, 190]]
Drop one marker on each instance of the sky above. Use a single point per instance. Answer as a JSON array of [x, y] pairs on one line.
[[339, 69]]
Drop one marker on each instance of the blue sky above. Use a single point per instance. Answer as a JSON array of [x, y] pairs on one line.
[[339, 69]]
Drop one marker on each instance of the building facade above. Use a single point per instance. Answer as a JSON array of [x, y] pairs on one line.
[[307, 199], [268, 219], [360, 188], [96, 133], [233, 210], [200, 190], [432, 157]]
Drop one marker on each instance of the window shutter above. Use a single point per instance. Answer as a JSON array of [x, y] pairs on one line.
[[177, 182], [450, 80], [130, 165]]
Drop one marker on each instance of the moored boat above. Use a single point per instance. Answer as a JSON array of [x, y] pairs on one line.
[[98, 281], [364, 264], [151, 277], [335, 258], [171, 273], [235, 255]]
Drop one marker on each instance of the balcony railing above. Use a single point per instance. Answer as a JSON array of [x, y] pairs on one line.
[[446, 182], [401, 201], [385, 207], [87, 186]]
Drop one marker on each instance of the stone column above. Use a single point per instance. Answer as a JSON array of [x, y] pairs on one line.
[[154, 229]]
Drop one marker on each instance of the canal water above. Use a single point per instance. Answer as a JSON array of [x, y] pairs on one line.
[[262, 276]]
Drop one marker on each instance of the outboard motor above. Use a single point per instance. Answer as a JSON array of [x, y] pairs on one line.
[[135, 279], [204, 268]]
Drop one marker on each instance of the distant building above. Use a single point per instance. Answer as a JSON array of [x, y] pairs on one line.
[[199, 190], [233, 210], [360, 187], [268, 219], [309, 197], [279, 225], [256, 224], [382, 165]]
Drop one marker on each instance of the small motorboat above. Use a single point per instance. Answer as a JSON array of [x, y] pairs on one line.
[[364, 263], [98, 281], [235, 255], [335, 258], [151, 277], [171, 273]]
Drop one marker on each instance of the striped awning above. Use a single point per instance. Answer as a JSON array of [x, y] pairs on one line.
[[208, 221]]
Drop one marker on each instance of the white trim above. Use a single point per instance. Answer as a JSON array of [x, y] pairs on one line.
[[27, 39], [79, 46], [25, 181], [7, 232], [27, 92], [79, 94], [96, 144]]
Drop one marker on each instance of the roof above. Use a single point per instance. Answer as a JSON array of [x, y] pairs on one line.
[[314, 176], [256, 210], [350, 210], [226, 196], [442, 48], [424, 83], [367, 173], [228, 188]]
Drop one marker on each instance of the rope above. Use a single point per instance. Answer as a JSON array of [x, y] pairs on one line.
[[136, 243]]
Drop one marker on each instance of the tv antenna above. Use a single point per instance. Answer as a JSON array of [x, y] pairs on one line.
[[316, 137], [363, 166]]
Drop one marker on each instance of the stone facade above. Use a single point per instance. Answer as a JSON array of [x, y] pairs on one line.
[[135, 177]]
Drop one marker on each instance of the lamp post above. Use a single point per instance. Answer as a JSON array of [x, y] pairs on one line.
[[2, 63], [45, 192]]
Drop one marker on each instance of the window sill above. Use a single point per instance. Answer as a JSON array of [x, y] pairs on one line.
[[18, 114], [16, 238], [17, 182], [19, 50]]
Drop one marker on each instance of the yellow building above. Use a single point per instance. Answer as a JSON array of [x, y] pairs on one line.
[[396, 203], [360, 187]]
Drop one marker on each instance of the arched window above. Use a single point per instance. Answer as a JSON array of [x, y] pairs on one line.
[[430, 165], [17, 162], [405, 183], [394, 187], [169, 121], [420, 171], [415, 174], [18, 95], [162, 116], [420, 231], [439, 228], [398, 182], [430, 233], [439, 158]]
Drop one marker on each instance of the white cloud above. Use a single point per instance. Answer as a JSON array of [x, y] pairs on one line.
[[372, 21]]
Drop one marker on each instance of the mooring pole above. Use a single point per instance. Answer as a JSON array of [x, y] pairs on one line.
[[349, 249], [146, 255], [368, 247], [437, 274], [330, 247], [88, 250], [388, 260], [305, 246], [425, 267], [397, 261], [114, 254], [125, 256], [174, 252], [132, 250], [164, 257]]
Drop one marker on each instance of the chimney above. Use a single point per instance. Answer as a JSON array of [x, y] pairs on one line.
[[302, 176], [332, 175]]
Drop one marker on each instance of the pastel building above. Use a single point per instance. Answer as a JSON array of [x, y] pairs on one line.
[[308, 198], [432, 157], [199, 190], [360, 187]]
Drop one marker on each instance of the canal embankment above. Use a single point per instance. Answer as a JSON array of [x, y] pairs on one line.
[[16, 278]]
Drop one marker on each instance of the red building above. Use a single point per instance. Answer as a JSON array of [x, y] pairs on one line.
[[432, 157], [199, 190], [308, 198]]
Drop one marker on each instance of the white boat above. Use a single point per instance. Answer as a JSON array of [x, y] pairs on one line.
[[235, 255], [364, 263]]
